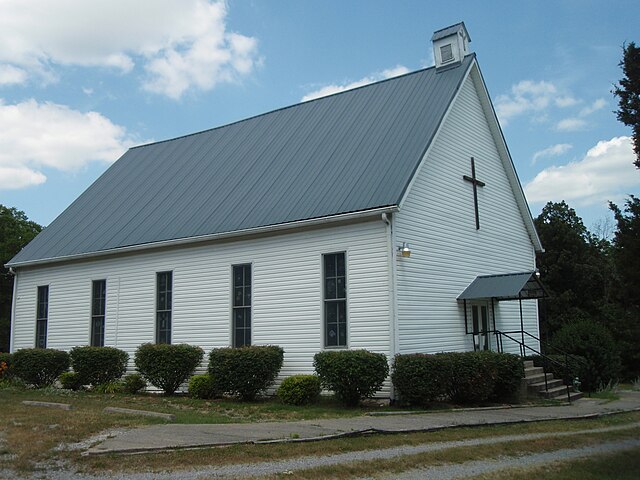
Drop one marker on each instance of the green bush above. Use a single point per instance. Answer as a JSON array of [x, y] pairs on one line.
[[508, 371], [5, 365], [420, 379], [167, 366], [592, 341], [351, 374], [461, 377], [201, 386], [98, 365], [472, 379], [245, 371], [133, 383], [109, 388], [70, 381], [300, 390], [39, 367]]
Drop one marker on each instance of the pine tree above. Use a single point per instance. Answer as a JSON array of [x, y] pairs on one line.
[[628, 93]]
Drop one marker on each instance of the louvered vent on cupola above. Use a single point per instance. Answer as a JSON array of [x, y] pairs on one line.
[[450, 45]]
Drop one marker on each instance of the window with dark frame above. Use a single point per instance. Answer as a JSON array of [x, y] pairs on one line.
[[42, 316], [164, 281], [98, 308], [241, 305], [335, 300]]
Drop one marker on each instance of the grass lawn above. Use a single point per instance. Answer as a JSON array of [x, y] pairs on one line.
[[618, 466], [30, 435]]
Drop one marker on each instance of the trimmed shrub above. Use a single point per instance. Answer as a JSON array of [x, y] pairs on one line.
[[472, 380], [508, 371], [133, 383], [351, 374], [5, 365], [420, 379], [167, 366], [245, 371], [462, 377], [300, 390], [201, 386], [39, 367], [70, 381], [98, 365], [592, 341]]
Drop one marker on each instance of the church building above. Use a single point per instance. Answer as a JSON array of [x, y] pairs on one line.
[[388, 217]]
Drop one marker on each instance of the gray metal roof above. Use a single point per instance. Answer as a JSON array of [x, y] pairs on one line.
[[509, 286], [348, 152], [452, 30]]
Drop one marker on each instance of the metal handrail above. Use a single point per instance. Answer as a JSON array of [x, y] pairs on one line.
[[545, 358], [566, 355]]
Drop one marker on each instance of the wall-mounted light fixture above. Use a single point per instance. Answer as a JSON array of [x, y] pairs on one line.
[[404, 250]]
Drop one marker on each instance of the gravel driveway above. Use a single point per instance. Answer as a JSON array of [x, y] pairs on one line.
[[443, 472]]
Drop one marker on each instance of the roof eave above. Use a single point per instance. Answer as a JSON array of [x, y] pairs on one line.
[[311, 222]]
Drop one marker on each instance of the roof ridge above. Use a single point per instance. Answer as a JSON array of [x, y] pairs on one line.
[[283, 108]]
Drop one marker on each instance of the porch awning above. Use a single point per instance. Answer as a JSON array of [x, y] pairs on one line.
[[508, 286]]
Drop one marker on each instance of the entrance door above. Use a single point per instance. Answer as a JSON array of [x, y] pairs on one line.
[[481, 330]]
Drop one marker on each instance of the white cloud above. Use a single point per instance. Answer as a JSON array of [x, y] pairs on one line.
[[181, 44], [579, 122], [528, 97], [331, 89], [571, 124], [599, 104], [552, 151], [11, 75], [605, 173], [36, 135], [14, 178]]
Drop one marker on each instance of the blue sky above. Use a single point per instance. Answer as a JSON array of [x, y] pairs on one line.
[[80, 82]]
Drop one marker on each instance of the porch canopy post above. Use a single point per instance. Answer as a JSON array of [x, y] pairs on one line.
[[504, 287]]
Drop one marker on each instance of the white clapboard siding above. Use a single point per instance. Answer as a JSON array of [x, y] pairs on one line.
[[437, 220], [287, 304]]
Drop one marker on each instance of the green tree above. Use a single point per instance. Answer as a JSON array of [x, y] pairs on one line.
[[628, 93], [16, 230], [624, 319], [626, 251], [574, 268]]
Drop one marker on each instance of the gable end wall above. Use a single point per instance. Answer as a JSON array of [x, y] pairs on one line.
[[437, 220]]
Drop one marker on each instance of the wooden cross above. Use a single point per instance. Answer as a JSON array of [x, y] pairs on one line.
[[476, 183]]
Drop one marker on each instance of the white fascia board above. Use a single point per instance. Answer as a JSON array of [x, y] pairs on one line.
[[237, 234], [505, 155], [435, 136]]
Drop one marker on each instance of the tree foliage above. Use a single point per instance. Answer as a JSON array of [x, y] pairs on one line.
[[624, 316], [573, 267], [591, 279], [16, 230], [628, 93]]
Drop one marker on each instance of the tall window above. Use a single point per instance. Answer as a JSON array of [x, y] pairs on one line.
[[98, 307], [164, 281], [335, 300], [42, 316], [241, 305]]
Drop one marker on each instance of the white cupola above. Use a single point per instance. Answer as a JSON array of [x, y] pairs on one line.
[[450, 45]]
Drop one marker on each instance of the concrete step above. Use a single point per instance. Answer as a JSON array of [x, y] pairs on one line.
[[537, 378], [528, 364], [555, 392], [540, 386], [532, 371], [563, 397]]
